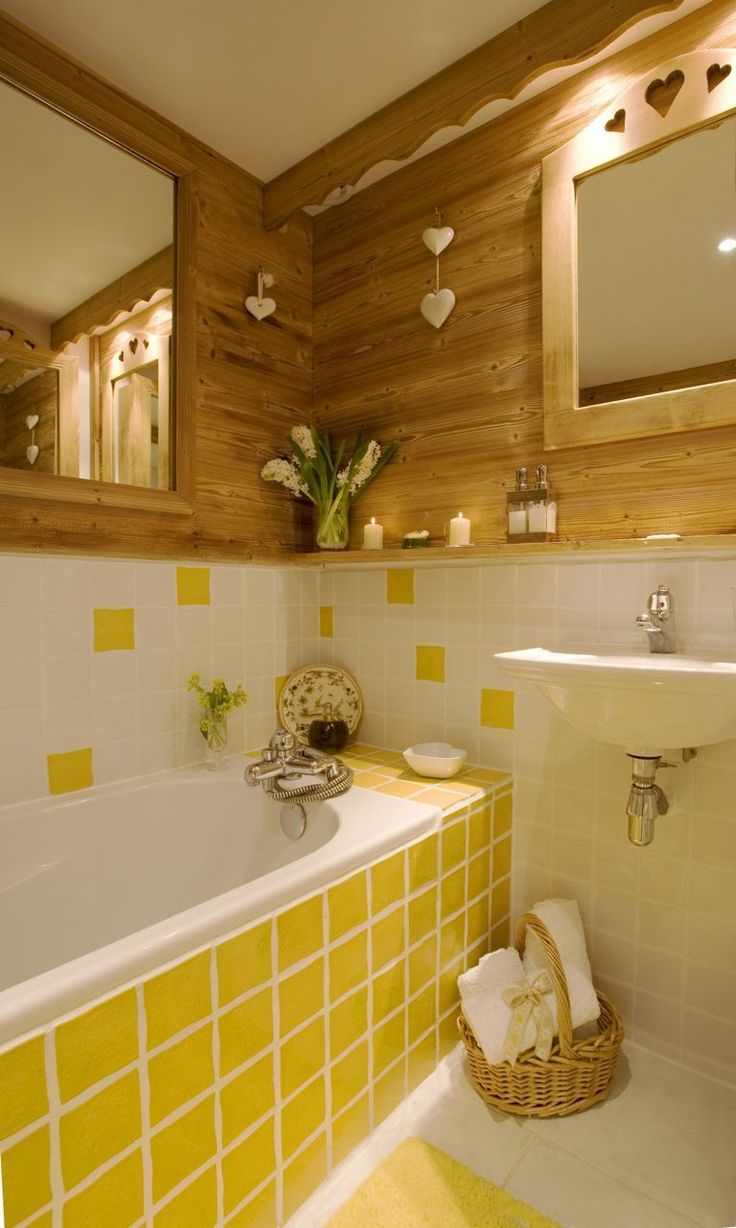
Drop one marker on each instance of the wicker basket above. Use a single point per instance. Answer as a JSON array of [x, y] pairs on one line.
[[577, 1073]]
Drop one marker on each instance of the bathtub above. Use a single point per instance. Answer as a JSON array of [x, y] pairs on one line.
[[105, 885]]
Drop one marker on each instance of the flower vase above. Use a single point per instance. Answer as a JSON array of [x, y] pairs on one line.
[[332, 528], [215, 736]]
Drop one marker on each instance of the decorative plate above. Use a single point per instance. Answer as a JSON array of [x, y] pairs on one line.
[[310, 691]]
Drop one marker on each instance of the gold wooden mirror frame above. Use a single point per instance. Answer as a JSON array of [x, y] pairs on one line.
[[630, 126], [36, 68]]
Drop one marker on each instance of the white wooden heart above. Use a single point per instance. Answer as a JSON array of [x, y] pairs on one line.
[[262, 309], [436, 307], [437, 238], [32, 453], [31, 421]]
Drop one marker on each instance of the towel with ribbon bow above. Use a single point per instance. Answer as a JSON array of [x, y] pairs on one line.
[[526, 1000]]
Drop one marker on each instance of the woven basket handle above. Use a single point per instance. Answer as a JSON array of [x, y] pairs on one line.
[[529, 921]]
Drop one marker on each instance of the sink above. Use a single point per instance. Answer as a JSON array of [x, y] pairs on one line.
[[646, 702]]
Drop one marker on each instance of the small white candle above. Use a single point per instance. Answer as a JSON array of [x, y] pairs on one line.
[[373, 535], [459, 531]]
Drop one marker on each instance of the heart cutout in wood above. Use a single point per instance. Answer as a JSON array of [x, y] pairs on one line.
[[259, 309], [6, 334], [717, 74], [31, 421], [436, 307], [661, 94], [618, 122], [437, 238], [32, 452]]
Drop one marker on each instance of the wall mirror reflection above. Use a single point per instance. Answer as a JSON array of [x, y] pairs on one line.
[[86, 303]]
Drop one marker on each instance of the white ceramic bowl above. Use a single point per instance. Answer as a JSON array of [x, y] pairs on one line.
[[435, 759]]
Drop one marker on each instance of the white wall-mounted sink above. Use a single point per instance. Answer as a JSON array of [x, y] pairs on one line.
[[646, 702]]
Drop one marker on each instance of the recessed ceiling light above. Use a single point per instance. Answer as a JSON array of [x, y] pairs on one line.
[[727, 245]]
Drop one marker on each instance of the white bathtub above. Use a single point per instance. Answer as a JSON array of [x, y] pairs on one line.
[[104, 885]]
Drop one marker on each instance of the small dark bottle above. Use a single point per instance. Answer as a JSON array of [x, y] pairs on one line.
[[328, 732]]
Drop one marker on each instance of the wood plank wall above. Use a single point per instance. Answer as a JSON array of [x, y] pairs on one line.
[[37, 396], [466, 402]]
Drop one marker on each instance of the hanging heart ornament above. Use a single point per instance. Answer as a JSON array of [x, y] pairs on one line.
[[31, 421], [32, 453], [259, 309], [437, 238], [436, 307]]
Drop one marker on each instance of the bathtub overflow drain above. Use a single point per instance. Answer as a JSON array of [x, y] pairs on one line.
[[293, 820]]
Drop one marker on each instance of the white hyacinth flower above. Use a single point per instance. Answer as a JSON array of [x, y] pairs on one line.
[[302, 436], [287, 473], [366, 466]]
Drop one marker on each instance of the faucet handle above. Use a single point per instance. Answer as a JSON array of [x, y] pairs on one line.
[[282, 741], [661, 602]]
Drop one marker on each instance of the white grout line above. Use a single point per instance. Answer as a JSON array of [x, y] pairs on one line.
[[52, 1084], [145, 1092]]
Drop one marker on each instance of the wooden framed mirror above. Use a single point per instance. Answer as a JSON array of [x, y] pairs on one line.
[[639, 261]]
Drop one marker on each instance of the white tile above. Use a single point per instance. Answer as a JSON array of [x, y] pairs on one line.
[[193, 626], [65, 581], [20, 580], [155, 627], [226, 585], [155, 584], [113, 673], [537, 584], [21, 630], [431, 587], [23, 778], [259, 586], [70, 678], [67, 631], [498, 585], [112, 584]]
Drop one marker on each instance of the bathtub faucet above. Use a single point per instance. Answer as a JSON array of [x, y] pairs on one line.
[[285, 760]]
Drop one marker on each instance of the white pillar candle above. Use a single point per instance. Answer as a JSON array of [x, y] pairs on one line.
[[373, 535], [459, 531]]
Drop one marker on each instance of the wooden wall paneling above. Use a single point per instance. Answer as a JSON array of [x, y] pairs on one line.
[[37, 396], [122, 294]]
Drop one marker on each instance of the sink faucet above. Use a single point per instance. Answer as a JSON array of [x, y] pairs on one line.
[[659, 620], [285, 759]]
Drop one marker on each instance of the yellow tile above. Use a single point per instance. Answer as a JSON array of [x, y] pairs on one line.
[[70, 770], [246, 1098], [400, 586], [422, 1013], [502, 812], [348, 965], [279, 683], [423, 862], [304, 1174], [245, 1030], [481, 948], [368, 780], [501, 934], [26, 1177], [442, 798], [193, 585], [463, 787], [349, 1076], [182, 1147], [180, 1073], [115, 1199], [98, 1129], [452, 893], [43, 1221], [496, 709], [430, 663], [448, 1033], [453, 845], [478, 921], [488, 776], [388, 1042], [501, 859], [422, 1060], [389, 991], [194, 1207], [388, 1092], [422, 964], [349, 1129], [449, 994], [399, 788], [23, 1083], [260, 1212], [177, 998], [500, 900], [302, 1057], [348, 1021], [361, 748], [347, 905], [452, 939], [479, 874], [247, 1165], [302, 1116], [300, 931], [96, 1044], [387, 882], [326, 622], [479, 830], [387, 938], [243, 962], [422, 914], [301, 995], [114, 630]]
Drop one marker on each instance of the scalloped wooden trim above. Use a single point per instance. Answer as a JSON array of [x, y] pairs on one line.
[[136, 286]]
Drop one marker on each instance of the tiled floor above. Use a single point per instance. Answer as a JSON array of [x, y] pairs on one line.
[[659, 1153]]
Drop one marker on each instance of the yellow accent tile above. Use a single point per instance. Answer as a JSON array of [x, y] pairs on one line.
[[463, 787], [388, 1042], [500, 900], [177, 998], [422, 1060], [349, 1076], [481, 948], [453, 893], [96, 1044], [26, 1177], [114, 630], [452, 939], [349, 1129], [400, 586], [245, 1030], [502, 815], [70, 770], [303, 1056], [98, 1129], [389, 991], [300, 931], [301, 995], [247, 1165], [302, 1116], [115, 1199], [448, 1033], [260, 1212], [326, 622], [478, 921], [361, 748], [501, 859], [449, 994], [496, 709], [182, 1147], [368, 780], [479, 830], [193, 585], [246, 1098], [387, 938], [244, 962], [479, 874], [422, 1013], [422, 964], [279, 683], [180, 1073], [194, 1207], [43, 1221], [348, 965], [422, 914], [387, 882], [304, 1174], [453, 845], [488, 776], [423, 862], [348, 905], [441, 798], [399, 788], [388, 1092], [430, 663], [501, 934], [23, 1080], [348, 1021]]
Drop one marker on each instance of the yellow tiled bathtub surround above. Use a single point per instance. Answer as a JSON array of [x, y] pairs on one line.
[[222, 1089]]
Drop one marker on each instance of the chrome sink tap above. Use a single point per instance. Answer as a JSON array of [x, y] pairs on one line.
[[285, 760], [659, 620]]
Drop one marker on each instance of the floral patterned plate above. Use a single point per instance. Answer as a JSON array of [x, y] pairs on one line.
[[311, 691]]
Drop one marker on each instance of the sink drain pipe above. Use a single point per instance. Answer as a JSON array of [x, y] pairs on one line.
[[646, 799]]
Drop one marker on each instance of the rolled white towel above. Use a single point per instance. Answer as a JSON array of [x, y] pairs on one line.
[[562, 919], [481, 990]]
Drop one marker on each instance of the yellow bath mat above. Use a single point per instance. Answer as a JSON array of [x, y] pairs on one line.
[[419, 1187]]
